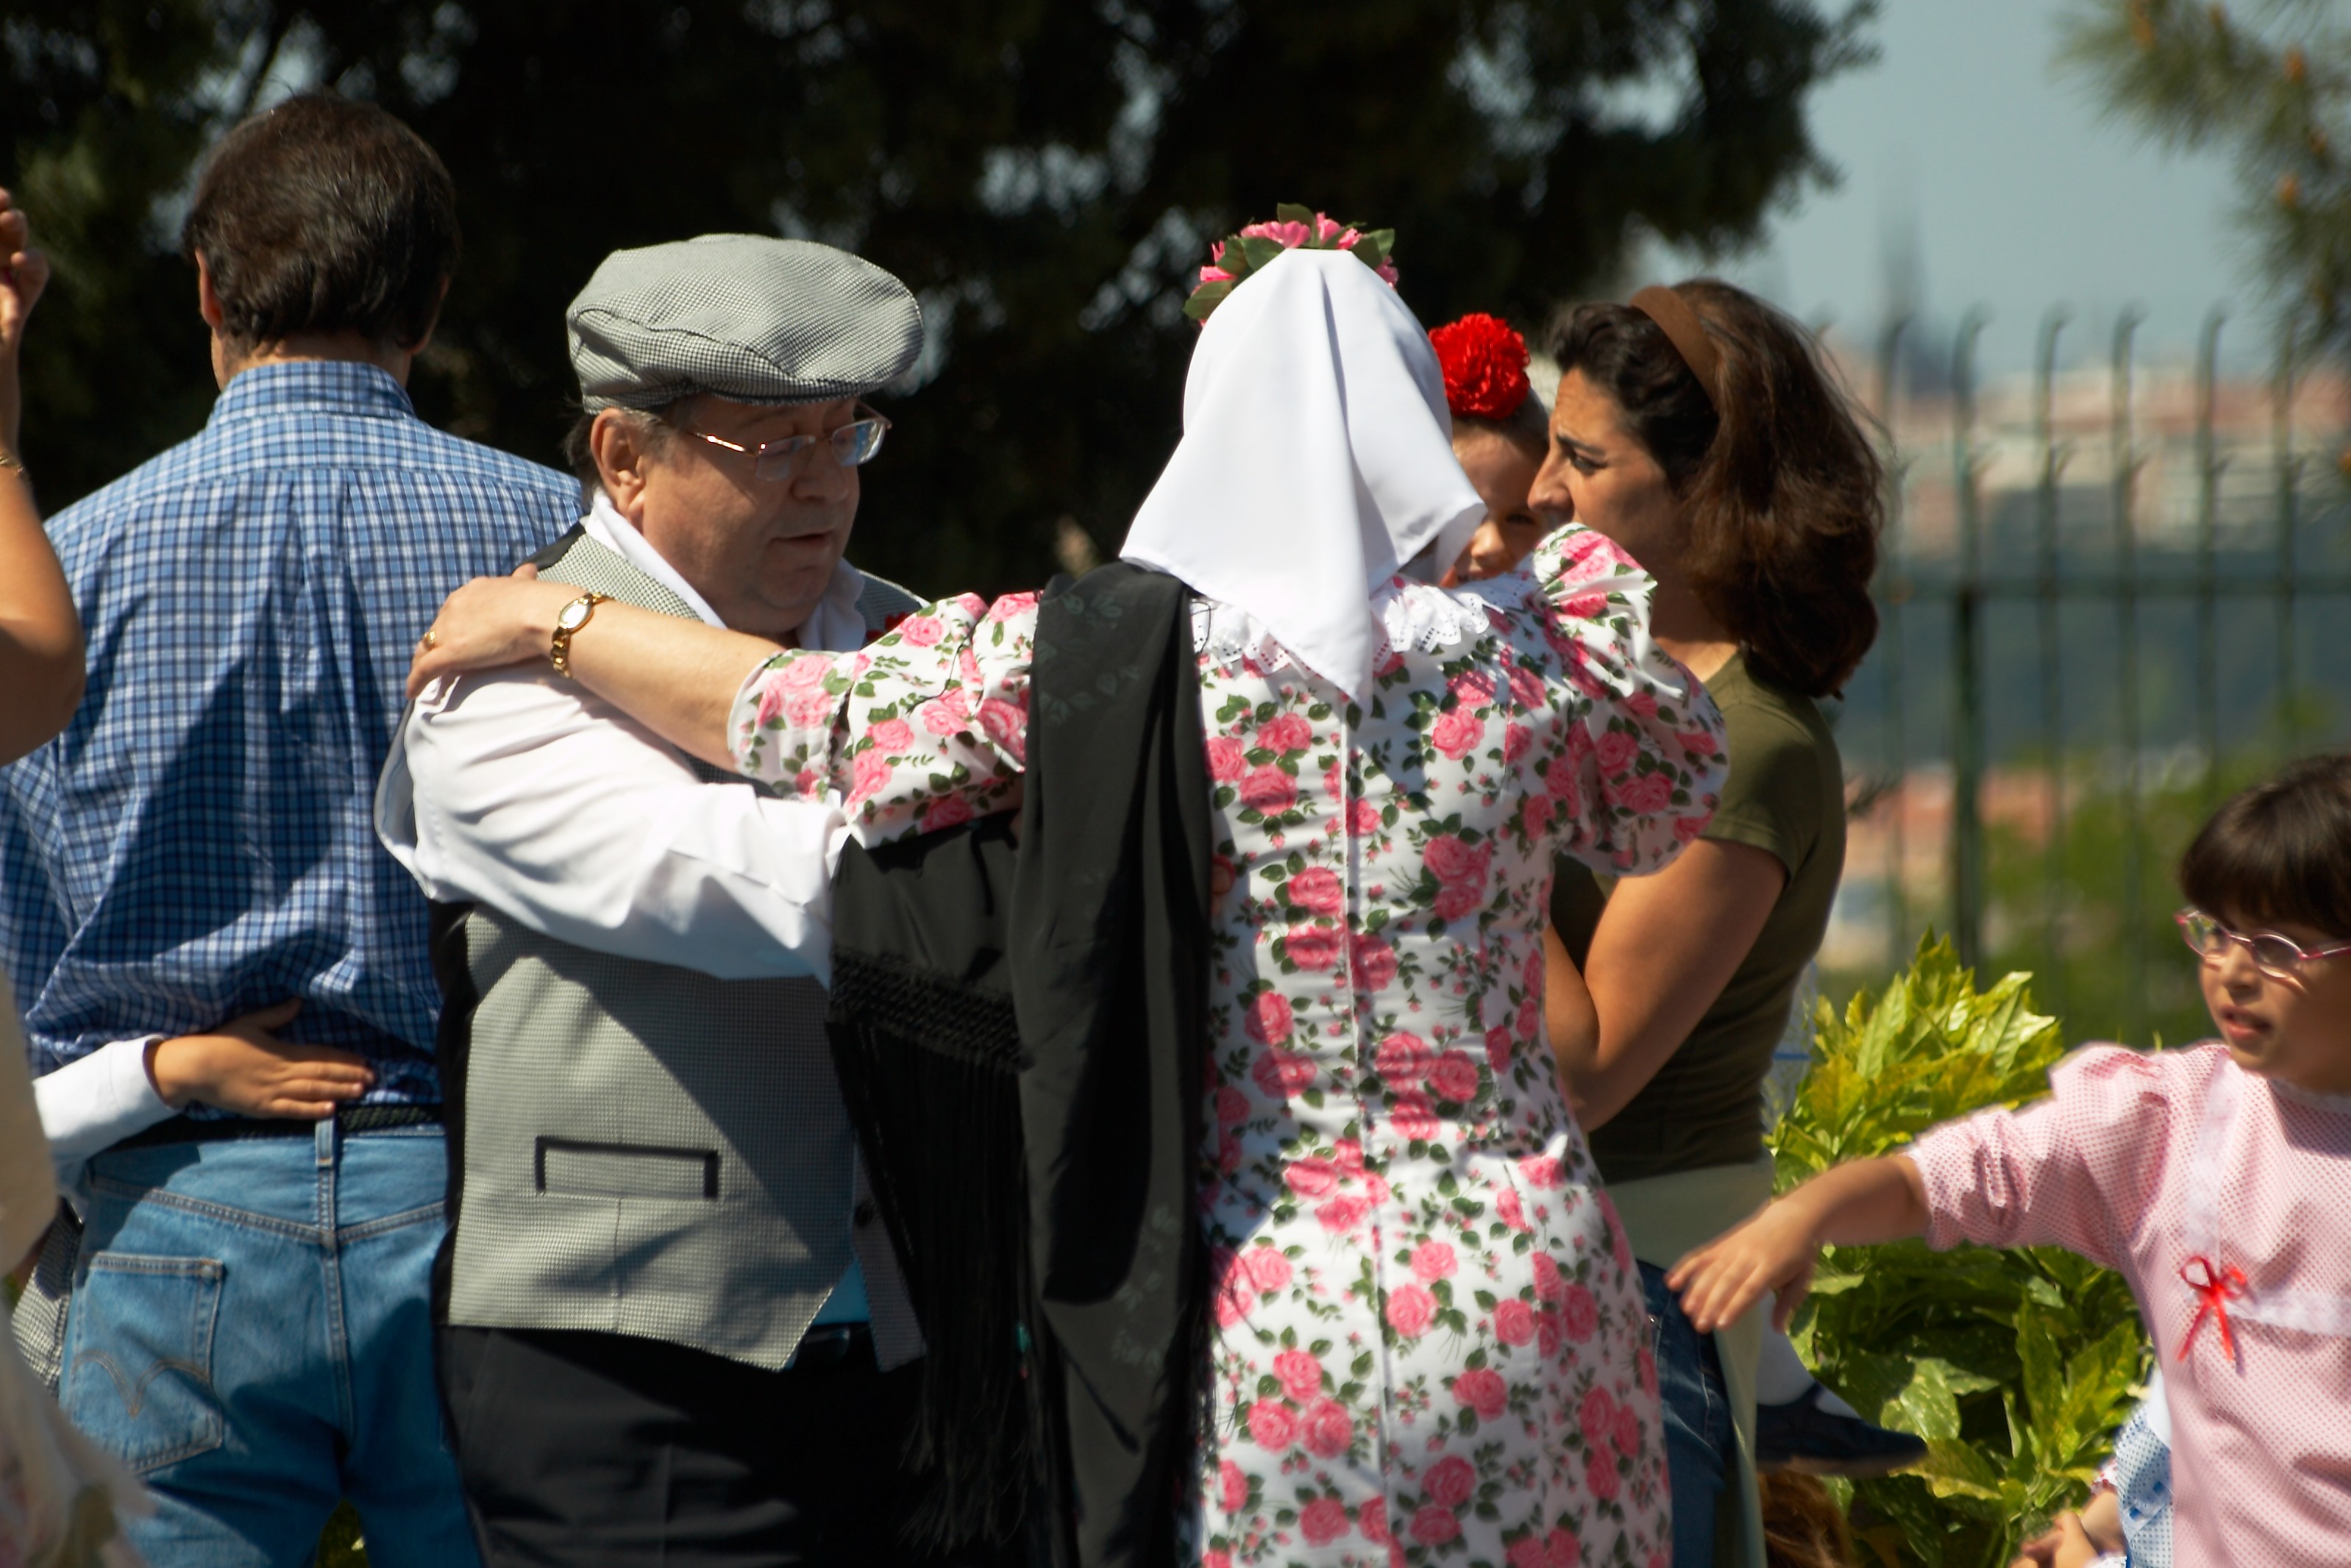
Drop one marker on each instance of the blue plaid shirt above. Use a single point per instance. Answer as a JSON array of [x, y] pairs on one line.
[[198, 843]]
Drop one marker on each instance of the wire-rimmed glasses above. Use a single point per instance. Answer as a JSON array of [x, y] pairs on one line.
[[853, 446], [2272, 954]]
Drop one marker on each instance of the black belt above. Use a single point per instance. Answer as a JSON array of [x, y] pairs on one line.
[[350, 1119]]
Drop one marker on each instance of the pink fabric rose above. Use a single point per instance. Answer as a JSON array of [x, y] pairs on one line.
[[1289, 234], [1687, 830], [811, 708], [1342, 1213], [1269, 1019], [893, 736], [1330, 1429], [1007, 726], [1514, 1321], [1516, 740], [1232, 1106], [1534, 816], [801, 670], [1318, 891], [1584, 607], [1432, 1261], [868, 775], [1371, 1519], [1699, 743], [1561, 1550], [1642, 705], [1434, 1525], [1541, 1171], [1456, 732], [947, 811], [1455, 1077], [1413, 1118], [1227, 759], [1347, 1154], [1626, 1432], [1646, 796], [1499, 1045], [1648, 1362], [772, 701], [1012, 606], [1450, 1481], [1616, 751], [1371, 961], [1281, 1073], [1312, 946], [1527, 1552], [1483, 1390], [1301, 1374], [1323, 1520], [1450, 859], [1472, 688], [1285, 733], [1550, 1283], [1266, 1268], [920, 630], [1597, 1416], [1271, 1425], [1410, 1311], [1459, 900], [949, 713], [1404, 1057], [1234, 1298], [1310, 1177], [1232, 1487], [1600, 1475], [1363, 819], [1268, 790], [1512, 1208], [1579, 1313]]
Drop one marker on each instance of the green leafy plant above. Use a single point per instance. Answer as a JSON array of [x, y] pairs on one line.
[[2016, 1366]]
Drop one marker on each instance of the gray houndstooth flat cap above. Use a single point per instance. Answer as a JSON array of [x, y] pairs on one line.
[[743, 315]]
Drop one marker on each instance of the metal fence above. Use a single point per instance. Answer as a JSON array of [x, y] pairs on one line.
[[2052, 626]]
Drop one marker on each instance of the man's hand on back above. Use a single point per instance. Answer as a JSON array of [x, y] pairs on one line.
[[244, 1067]]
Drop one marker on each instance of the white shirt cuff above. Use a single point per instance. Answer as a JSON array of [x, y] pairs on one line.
[[94, 1104]]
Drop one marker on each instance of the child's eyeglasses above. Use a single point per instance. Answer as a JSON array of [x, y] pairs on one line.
[[2272, 954]]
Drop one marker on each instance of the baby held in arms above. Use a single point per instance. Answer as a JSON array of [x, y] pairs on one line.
[[2216, 1179]]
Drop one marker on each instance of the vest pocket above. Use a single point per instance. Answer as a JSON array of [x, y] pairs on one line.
[[578, 1168], [140, 1380]]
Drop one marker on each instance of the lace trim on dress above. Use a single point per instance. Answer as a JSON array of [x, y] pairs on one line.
[[1414, 617]]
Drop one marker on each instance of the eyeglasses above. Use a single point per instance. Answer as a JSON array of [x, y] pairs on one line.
[[2272, 954], [853, 446]]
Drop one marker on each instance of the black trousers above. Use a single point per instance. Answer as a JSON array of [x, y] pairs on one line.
[[596, 1450]]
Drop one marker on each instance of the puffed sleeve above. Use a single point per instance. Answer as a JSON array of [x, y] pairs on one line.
[[923, 729], [1633, 764], [2074, 1170]]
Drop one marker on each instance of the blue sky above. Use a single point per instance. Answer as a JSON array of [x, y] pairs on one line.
[[2017, 195]]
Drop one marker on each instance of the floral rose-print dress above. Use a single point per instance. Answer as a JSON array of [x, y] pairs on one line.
[[1429, 1340]]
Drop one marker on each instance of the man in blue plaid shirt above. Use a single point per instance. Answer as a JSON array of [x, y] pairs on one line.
[[224, 980]]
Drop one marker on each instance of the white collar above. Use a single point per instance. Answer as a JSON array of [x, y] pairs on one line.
[[836, 625]]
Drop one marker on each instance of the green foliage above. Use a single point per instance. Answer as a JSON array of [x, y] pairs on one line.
[[1047, 174], [2016, 1366], [2274, 91]]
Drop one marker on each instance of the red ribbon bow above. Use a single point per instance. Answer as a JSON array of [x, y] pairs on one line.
[[2216, 1289]]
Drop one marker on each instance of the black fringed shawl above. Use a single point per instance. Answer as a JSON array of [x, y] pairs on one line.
[[1018, 1030]]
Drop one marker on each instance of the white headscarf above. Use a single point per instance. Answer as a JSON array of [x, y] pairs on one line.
[[1316, 459]]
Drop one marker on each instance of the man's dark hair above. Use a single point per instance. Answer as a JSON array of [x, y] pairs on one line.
[[2279, 851], [325, 215]]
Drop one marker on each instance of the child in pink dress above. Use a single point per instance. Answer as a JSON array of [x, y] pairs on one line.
[[2217, 1179]]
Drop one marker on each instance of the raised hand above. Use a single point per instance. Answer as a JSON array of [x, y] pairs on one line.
[[244, 1067], [23, 274]]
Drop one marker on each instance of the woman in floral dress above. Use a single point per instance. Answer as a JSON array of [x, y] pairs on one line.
[[1427, 1338]]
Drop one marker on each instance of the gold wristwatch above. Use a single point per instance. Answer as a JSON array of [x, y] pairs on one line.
[[567, 620]]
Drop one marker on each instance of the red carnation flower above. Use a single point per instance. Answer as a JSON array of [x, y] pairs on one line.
[[1485, 364]]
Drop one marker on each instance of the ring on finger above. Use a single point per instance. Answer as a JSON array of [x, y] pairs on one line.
[[429, 639]]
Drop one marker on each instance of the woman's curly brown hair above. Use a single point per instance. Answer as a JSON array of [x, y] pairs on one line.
[[1782, 490]]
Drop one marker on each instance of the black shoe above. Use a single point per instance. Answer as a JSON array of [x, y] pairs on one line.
[[1802, 1436]]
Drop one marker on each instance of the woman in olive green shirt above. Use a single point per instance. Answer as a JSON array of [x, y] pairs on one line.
[[1698, 429]]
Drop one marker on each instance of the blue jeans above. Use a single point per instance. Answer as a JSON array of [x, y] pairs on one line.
[[251, 1332], [1701, 1443]]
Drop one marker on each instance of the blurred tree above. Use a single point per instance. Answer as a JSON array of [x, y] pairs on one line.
[[1045, 173], [2274, 90]]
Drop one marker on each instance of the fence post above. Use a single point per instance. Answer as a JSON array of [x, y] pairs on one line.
[[1889, 568], [2053, 685], [1967, 718], [2208, 464], [2125, 474]]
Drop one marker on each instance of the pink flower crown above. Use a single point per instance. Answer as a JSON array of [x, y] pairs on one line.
[[1294, 227]]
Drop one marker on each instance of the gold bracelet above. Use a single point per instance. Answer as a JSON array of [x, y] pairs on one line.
[[568, 620]]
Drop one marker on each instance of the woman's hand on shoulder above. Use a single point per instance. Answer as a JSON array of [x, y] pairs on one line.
[[490, 623]]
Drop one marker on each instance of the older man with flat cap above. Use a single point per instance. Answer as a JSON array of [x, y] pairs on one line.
[[672, 1330]]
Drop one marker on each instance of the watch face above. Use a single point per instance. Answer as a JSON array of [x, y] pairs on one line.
[[573, 615]]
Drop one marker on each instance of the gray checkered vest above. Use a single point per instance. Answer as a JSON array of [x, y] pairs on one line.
[[649, 1151]]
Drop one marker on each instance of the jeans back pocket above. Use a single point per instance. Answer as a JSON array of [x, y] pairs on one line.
[[139, 1375]]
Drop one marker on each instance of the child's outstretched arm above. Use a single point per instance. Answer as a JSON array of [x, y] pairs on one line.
[[1854, 1205]]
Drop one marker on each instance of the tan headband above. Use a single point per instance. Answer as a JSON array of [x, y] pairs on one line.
[[1683, 329]]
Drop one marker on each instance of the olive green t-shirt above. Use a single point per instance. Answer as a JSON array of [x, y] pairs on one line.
[[1785, 796]]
